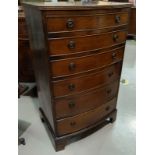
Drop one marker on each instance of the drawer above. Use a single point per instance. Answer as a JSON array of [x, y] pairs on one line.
[[66, 67], [89, 81], [96, 21], [72, 124], [70, 45], [78, 104]]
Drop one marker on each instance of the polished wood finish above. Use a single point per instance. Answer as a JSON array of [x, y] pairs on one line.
[[84, 83], [78, 53], [132, 23], [75, 123], [73, 105], [84, 43], [77, 22], [132, 19], [25, 67], [60, 142], [85, 63]]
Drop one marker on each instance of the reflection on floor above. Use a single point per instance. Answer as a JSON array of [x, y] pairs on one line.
[[113, 139]]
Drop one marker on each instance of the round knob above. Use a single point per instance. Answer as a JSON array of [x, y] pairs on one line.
[[113, 55], [72, 123], [115, 37], [72, 66], [70, 23], [117, 19], [107, 108], [21, 141], [71, 87], [110, 74], [71, 104], [71, 45], [109, 91]]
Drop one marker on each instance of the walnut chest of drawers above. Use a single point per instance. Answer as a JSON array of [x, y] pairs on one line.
[[78, 53]]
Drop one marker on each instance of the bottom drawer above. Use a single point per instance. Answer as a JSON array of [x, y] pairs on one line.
[[72, 124]]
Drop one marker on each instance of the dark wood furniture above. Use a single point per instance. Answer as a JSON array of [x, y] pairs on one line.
[[25, 67], [132, 20], [132, 23], [78, 53]]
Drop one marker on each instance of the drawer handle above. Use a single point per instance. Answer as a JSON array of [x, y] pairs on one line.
[[71, 104], [115, 37], [113, 55], [110, 74], [107, 108], [109, 91], [72, 123], [72, 66], [117, 19], [71, 87], [71, 45], [70, 23]]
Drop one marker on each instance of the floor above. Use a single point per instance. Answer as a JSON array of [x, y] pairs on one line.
[[113, 139]]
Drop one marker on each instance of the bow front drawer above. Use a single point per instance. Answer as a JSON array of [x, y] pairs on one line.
[[83, 83], [75, 123], [70, 45], [97, 21], [74, 105], [66, 67]]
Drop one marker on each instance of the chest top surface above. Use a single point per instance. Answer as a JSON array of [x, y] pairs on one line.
[[76, 5]]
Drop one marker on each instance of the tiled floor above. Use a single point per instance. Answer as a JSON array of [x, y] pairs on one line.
[[113, 139]]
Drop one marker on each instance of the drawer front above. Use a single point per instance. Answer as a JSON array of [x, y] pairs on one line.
[[72, 45], [72, 124], [72, 23], [85, 63], [78, 104], [90, 81]]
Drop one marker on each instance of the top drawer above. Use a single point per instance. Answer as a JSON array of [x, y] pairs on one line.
[[83, 22]]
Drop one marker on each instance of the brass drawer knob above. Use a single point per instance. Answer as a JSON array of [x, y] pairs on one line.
[[71, 87], [107, 108], [117, 19], [109, 91], [72, 66], [115, 37], [72, 123], [110, 74], [71, 104], [70, 24], [71, 45]]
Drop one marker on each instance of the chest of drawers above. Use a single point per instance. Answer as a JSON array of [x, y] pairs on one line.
[[78, 54]]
